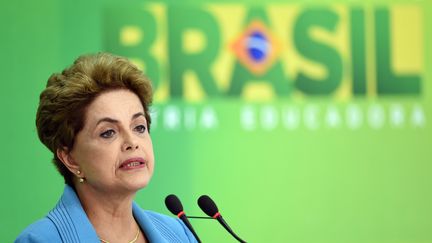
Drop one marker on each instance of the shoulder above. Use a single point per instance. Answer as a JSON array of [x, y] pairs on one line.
[[42, 230]]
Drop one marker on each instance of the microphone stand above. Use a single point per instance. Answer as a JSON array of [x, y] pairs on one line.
[[225, 225]]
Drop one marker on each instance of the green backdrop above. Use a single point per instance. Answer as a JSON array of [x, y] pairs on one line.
[[326, 139]]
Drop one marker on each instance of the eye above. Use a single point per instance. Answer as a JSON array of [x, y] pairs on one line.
[[107, 134], [140, 129]]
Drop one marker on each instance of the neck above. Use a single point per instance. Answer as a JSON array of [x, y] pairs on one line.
[[110, 214]]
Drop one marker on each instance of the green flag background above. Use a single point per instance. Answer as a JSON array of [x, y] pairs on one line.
[[306, 121]]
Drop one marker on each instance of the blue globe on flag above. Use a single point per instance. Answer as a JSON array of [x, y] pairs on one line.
[[258, 46]]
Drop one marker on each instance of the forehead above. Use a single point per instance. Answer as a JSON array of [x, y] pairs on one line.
[[114, 104]]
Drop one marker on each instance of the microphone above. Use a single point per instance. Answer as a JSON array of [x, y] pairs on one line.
[[209, 207], [174, 206]]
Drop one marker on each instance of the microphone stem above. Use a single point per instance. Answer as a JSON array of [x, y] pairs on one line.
[[225, 225], [186, 221]]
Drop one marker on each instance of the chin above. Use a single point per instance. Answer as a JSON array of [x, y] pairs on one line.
[[141, 183], [136, 181]]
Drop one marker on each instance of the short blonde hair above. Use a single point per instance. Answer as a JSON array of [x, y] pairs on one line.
[[63, 103]]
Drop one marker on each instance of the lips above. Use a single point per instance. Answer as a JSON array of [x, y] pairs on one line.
[[133, 163]]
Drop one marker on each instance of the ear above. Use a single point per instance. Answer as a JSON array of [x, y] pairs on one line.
[[66, 158]]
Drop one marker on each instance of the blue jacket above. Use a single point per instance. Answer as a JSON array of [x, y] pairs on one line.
[[68, 222]]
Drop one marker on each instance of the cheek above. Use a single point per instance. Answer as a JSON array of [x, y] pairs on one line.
[[95, 157], [148, 149]]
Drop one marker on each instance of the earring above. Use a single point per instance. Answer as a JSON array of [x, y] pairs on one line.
[[81, 179]]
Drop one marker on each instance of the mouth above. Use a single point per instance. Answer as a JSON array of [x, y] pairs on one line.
[[133, 163]]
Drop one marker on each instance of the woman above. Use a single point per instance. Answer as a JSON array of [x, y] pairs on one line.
[[94, 117]]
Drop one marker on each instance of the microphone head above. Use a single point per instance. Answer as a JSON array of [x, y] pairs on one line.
[[173, 204], [208, 205]]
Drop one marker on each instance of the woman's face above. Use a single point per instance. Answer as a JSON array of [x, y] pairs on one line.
[[114, 150]]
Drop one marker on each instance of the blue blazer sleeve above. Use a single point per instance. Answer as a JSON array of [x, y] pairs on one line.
[[40, 231]]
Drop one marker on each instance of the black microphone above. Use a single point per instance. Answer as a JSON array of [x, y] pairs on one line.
[[174, 206], [209, 207]]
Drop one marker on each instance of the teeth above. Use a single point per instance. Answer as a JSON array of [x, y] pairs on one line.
[[133, 164]]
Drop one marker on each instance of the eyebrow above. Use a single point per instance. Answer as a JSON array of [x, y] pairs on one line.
[[111, 120]]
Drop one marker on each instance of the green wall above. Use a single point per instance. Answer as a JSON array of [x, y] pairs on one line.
[[324, 179]]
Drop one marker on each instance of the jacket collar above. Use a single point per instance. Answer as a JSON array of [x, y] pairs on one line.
[[152, 231], [71, 220]]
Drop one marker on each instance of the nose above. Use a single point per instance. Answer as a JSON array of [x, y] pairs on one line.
[[129, 144]]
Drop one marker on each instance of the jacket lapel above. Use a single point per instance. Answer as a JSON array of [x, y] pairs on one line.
[[71, 220]]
